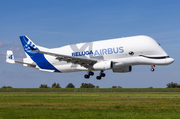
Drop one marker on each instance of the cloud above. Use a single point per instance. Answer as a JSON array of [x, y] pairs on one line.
[[2, 55], [11, 46], [14, 47], [2, 45], [20, 56]]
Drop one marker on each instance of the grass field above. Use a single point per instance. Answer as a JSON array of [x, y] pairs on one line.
[[90, 105], [95, 90]]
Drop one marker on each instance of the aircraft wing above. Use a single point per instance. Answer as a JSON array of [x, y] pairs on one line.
[[75, 60]]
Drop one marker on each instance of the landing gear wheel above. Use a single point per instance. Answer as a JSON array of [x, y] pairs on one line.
[[103, 75], [152, 69], [91, 73], [98, 77], [86, 76]]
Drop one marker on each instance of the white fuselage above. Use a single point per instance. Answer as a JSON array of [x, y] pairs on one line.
[[128, 51], [118, 54]]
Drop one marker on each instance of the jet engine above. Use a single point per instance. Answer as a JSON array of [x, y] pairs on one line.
[[123, 69]]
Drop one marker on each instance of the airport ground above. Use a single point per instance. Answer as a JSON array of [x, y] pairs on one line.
[[90, 105]]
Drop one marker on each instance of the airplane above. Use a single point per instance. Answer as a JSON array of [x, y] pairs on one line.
[[118, 54]]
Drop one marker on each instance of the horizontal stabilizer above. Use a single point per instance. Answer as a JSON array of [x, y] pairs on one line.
[[10, 57]]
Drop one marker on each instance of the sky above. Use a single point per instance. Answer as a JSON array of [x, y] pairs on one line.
[[55, 23]]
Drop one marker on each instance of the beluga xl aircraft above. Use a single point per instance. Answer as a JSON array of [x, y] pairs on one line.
[[118, 54]]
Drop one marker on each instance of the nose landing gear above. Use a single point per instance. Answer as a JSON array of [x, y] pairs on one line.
[[152, 68]]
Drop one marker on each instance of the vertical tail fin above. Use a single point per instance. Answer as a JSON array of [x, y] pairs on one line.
[[10, 57], [28, 45], [38, 58]]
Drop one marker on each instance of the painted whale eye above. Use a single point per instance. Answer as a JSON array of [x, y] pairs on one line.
[[131, 53]]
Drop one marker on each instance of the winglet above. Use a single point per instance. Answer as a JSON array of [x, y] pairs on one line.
[[10, 57]]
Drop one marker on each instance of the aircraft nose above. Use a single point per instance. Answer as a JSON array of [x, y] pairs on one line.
[[170, 60]]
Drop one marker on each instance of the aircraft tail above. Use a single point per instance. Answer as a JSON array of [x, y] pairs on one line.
[[38, 58], [10, 57], [28, 45]]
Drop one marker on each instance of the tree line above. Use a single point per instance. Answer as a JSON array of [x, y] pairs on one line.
[[89, 85], [173, 85], [70, 85]]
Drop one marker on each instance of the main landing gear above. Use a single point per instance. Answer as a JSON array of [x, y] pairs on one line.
[[152, 68], [101, 74], [89, 74]]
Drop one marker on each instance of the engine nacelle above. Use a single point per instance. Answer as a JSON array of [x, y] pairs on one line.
[[123, 69], [104, 65]]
